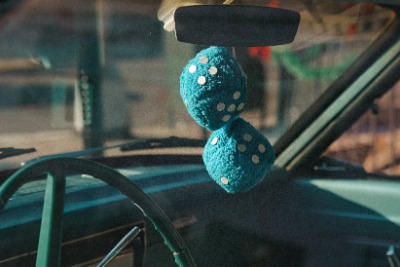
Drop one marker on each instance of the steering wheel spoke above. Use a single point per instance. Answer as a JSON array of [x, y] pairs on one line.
[[49, 248]]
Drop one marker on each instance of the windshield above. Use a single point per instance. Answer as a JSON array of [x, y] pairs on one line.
[[76, 75]]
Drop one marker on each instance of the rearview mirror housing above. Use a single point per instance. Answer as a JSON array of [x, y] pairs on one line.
[[235, 25]]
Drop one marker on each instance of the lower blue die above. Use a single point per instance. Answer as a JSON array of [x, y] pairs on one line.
[[238, 156]]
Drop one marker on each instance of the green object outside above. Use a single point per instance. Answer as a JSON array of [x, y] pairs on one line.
[[301, 70]]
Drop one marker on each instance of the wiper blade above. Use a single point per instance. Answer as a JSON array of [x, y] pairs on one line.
[[148, 143], [8, 152], [172, 141]]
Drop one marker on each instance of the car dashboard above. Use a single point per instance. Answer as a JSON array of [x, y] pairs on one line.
[[296, 222]]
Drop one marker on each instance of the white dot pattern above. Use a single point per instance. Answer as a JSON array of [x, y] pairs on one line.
[[214, 141], [192, 69], [212, 70], [201, 80], [224, 180], [255, 159], [220, 106], [236, 95], [261, 148], [242, 148], [231, 107], [226, 118], [247, 137], [240, 107], [203, 59]]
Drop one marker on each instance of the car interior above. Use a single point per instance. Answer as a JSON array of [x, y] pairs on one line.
[[200, 133]]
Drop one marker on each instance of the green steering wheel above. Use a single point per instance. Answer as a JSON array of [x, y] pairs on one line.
[[51, 226]]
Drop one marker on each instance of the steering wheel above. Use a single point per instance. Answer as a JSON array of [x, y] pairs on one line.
[[49, 248]]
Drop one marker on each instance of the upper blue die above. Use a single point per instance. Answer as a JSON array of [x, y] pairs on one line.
[[213, 88]]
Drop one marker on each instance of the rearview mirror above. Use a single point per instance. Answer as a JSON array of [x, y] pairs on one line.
[[235, 25]]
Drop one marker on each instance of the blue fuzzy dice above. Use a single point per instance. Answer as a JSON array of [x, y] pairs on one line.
[[237, 156], [213, 88]]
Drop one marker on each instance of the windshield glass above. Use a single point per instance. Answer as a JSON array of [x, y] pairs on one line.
[[76, 75]]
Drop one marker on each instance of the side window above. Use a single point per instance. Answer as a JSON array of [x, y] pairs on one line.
[[374, 140]]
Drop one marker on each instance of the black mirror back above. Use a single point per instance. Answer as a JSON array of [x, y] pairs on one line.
[[235, 25]]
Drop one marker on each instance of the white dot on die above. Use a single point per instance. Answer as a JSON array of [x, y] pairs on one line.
[[231, 107], [241, 147], [236, 95], [192, 69], [220, 106], [240, 106], [203, 59], [247, 137], [212, 70], [261, 148], [226, 118], [214, 141], [224, 180], [255, 159], [201, 80]]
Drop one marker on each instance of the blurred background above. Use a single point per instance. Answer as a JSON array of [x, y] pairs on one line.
[[81, 74]]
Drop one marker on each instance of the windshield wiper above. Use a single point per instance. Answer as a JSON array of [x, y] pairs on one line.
[[8, 152], [171, 141], [147, 143]]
